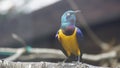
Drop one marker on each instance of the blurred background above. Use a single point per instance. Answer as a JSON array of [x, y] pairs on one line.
[[37, 21]]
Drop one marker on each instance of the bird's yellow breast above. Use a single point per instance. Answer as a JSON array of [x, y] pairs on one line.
[[69, 43]]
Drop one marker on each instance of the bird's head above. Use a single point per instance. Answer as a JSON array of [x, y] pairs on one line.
[[68, 19]]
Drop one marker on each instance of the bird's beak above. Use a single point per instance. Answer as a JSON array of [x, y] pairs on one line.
[[77, 11]]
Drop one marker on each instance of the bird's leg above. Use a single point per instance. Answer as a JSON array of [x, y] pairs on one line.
[[63, 62], [78, 59]]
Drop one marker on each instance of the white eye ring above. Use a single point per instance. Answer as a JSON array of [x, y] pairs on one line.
[[68, 14]]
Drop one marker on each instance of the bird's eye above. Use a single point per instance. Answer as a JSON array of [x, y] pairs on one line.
[[68, 14]]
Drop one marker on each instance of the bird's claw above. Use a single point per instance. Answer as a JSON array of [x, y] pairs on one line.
[[61, 64], [76, 62]]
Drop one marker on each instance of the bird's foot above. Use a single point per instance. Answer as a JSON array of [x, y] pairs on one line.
[[76, 62], [61, 64]]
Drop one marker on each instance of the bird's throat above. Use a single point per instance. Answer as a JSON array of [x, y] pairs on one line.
[[68, 31]]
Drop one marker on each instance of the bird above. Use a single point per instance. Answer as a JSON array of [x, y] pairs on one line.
[[69, 35]]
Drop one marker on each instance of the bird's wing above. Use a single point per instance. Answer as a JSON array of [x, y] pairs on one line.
[[57, 36], [79, 36], [59, 45]]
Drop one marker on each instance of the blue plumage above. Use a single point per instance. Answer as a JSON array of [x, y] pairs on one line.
[[69, 35], [68, 16], [68, 19]]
